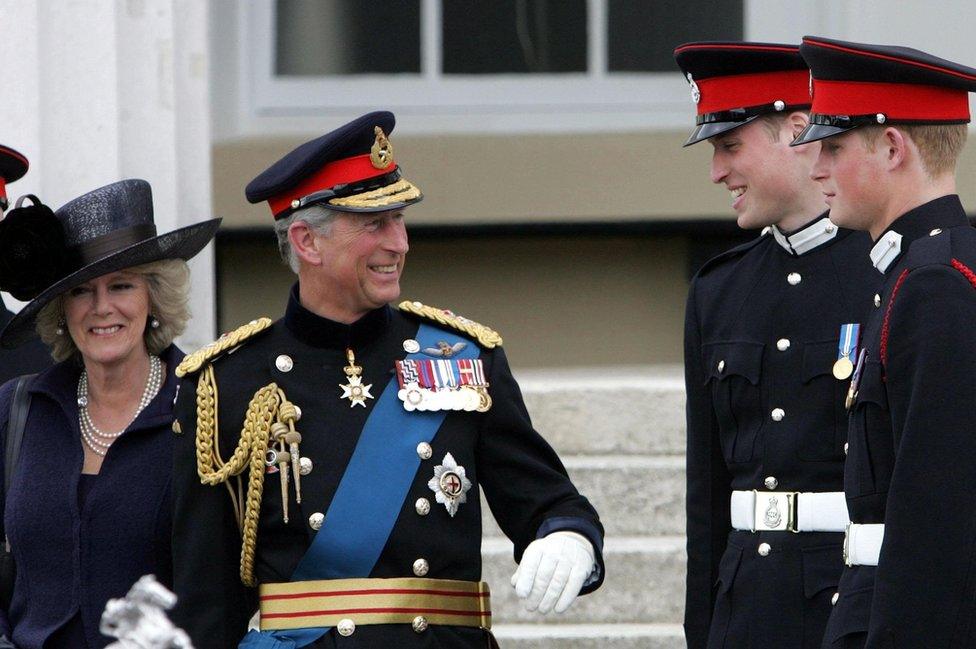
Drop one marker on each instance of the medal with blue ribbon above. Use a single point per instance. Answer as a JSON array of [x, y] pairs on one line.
[[846, 350]]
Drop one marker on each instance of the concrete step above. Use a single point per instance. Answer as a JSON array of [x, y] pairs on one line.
[[590, 636], [634, 495], [625, 410], [644, 583]]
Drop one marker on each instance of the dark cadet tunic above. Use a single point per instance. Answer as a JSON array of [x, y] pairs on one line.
[[912, 458], [523, 480], [761, 335]]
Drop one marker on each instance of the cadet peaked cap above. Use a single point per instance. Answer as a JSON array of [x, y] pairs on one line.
[[13, 165], [856, 84], [734, 83], [351, 169]]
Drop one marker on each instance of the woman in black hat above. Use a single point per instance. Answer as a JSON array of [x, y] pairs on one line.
[[87, 511]]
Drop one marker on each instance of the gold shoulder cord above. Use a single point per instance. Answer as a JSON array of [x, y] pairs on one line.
[[486, 336], [267, 407]]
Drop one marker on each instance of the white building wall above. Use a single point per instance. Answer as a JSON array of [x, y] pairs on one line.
[[100, 90]]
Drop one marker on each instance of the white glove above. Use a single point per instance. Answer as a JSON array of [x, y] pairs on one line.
[[553, 571]]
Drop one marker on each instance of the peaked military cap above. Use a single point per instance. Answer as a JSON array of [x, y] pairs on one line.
[[856, 84], [351, 169], [734, 83], [13, 165]]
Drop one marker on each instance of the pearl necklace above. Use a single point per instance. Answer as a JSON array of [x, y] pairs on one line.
[[99, 441]]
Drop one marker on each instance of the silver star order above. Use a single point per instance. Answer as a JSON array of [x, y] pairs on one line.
[[356, 392], [452, 470]]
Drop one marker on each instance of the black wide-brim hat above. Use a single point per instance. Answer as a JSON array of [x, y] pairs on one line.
[[106, 230]]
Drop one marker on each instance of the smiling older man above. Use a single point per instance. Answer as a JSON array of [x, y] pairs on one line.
[[356, 439]]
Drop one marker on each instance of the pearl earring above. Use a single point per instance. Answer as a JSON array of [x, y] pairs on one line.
[[154, 323]]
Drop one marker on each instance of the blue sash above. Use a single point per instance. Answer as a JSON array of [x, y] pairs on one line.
[[359, 521]]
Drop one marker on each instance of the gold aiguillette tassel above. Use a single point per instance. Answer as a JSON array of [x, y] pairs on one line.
[[279, 430]]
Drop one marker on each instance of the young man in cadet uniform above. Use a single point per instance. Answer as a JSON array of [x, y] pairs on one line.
[[767, 347], [363, 437], [31, 356], [891, 124]]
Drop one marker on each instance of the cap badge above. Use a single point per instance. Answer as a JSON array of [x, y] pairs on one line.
[[381, 153], [450, 484], [695, 92]]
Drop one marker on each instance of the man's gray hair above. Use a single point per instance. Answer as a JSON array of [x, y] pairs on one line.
[[319, 220]]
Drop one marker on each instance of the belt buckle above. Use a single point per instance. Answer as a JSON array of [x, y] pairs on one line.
[[774, 511]]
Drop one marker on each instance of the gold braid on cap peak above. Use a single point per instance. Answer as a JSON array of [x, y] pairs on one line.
[[193, 362], [486, 336]]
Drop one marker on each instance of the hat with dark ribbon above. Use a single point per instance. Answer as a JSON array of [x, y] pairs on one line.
[[13, 165], [44, 253], [351, 169], [856, 84], [734, 83]]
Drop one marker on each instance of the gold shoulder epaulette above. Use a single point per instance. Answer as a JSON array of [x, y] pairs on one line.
[[486, 337], [195, 361]]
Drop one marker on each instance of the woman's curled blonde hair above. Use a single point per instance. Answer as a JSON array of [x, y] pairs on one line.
[[168, 281]]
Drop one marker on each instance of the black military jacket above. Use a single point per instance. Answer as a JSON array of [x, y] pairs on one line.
[[912, 458], [524, 481], [761, 333], [29, 358]]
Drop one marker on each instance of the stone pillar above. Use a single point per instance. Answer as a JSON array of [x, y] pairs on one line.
[[100, 90]]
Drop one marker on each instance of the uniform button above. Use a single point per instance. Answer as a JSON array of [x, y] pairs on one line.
[[764, 549], [877, 301], [315, 520], [794, 279], [783, 344], [424, 450], [284, 363], [298, 413], [777, 414], [305, 465], [421, 567], [935, 232], [833, 600], [346, 627], [420, 624], [721, 366], [771, 482], [422, 506], [845, 448]]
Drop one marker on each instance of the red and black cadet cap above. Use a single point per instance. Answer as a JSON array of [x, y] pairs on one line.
[[13, 165], [733, 83], [856, 84], [351, 169]]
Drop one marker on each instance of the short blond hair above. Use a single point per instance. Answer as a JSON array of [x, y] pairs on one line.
[[939, 145], [168, 282]]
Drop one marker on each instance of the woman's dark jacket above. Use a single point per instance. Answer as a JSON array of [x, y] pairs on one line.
[[70, 560]]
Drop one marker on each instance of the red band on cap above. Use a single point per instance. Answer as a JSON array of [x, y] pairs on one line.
[[898, 101], [745, 90], [338, 172], [3, 187]]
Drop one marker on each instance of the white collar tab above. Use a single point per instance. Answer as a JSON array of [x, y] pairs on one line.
[[886, 250], [805, 240]]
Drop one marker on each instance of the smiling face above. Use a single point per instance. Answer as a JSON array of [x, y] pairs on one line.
[[767, 180], [850, 173], [106, 317], [362, 260]]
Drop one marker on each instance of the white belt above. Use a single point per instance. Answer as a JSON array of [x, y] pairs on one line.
[[793, 511], [862, 544]]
